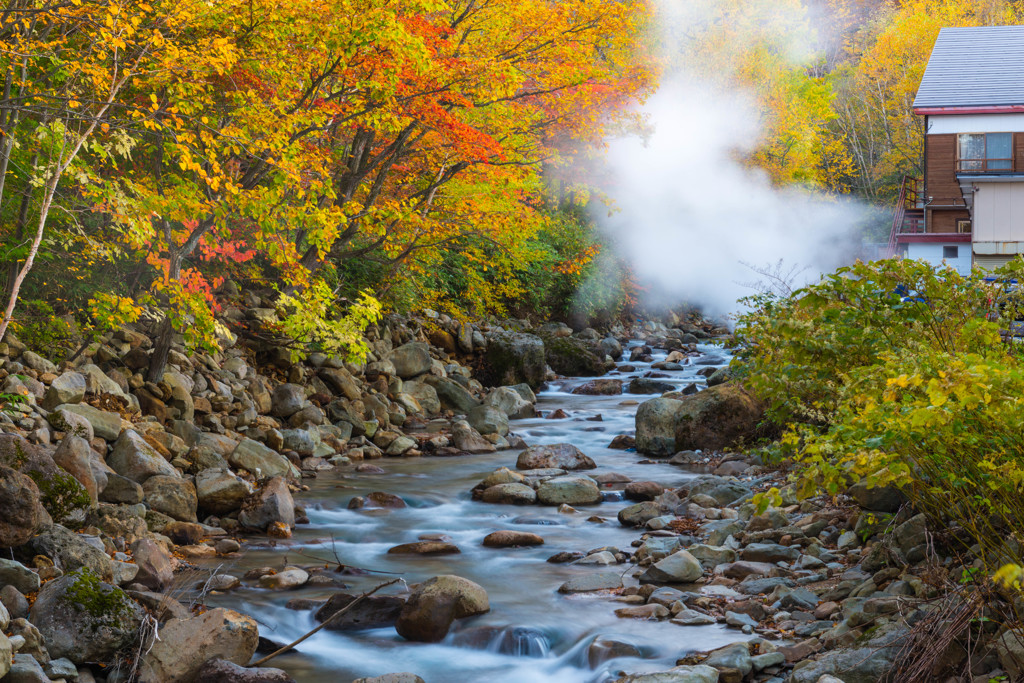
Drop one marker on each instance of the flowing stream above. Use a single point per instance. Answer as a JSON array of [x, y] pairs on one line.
[[532, 633]]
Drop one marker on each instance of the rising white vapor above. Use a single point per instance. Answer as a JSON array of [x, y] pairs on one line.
[[688, 213]]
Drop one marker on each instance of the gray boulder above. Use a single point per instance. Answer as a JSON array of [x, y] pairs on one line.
[[510, 402], [679, 567], [37, 362], [425, 395], [6, 654], [84, 619], [592, 581], [173, 496], [451, 394], [877, 498], [411, 360], [19, 576], [154, 563], [656, 426], [515, 357], [735, 656], [681, 674], [254, 457], [341, 382], [104, 424], [74, 456], [274, 503], [563, 456], [185, 645], [868, 662], [468, 440], [286, 400], [135, 459], [302, 441], [220, 491], [68, 388], [121, 490], [21, 513], [223, 671], [488, 420], [180, 401], [70, 423], [71, 551], [610, 346], [510, 494], [436, 603], [570, 490], [717, 418]]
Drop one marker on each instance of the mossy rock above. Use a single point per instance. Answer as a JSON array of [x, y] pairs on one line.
[[61, 494], [84, 619], [573, 357], [514, 358]]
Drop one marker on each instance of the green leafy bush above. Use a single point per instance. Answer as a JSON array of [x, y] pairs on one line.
[[896, 374]]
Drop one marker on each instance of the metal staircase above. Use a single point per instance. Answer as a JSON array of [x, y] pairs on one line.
[[909, 217]]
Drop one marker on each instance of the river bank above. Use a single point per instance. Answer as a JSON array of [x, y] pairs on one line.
[[247, 498]]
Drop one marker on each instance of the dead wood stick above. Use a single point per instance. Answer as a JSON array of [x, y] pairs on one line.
[[326, 621]]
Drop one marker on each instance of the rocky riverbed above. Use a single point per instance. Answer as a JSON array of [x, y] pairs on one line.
[[550, 506]]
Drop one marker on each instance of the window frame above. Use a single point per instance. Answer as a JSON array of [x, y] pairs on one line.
[[947, 247], [985, 161]]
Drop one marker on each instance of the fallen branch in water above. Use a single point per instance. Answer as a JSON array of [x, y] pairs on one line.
[[326, 621]]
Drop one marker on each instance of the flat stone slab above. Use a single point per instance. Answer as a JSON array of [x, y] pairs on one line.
[[598, 581]]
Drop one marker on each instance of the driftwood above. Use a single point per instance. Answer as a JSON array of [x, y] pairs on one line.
[[326, 621]]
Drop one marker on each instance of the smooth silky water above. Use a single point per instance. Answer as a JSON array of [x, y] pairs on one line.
[[532, 632]]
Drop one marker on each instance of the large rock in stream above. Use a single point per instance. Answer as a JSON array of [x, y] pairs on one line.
[[574, 357], [711, 420], [569, 490], [563, 456], [513, 358], [436, 603]]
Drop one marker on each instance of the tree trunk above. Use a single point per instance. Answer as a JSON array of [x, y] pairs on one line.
[[162, 348]]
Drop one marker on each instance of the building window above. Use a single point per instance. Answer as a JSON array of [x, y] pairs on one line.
[[950, 252], [985, 152]]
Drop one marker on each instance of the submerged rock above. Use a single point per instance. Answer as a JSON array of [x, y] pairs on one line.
[[375, 611]]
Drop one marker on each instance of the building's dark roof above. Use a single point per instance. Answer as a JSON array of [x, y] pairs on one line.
[[975, 66]]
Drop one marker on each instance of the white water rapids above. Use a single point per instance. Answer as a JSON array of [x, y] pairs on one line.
[[532, 633]]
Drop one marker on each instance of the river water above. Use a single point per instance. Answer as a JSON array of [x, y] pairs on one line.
[[532, 633]]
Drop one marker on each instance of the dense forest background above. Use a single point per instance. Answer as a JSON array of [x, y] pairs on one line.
[[355, 156]]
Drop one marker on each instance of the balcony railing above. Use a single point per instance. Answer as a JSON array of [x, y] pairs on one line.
[[984, 166]]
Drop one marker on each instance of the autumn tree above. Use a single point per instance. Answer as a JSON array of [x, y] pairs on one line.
[[66, 68]]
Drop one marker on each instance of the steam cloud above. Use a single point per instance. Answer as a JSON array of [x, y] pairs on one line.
[[688, 214]]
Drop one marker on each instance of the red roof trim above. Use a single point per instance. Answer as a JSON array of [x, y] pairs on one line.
[[934, 237], [995, 109]]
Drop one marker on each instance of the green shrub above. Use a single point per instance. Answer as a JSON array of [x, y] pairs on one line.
[[895, 374]]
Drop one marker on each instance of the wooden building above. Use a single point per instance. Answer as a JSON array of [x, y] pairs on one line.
[[968, 210]]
